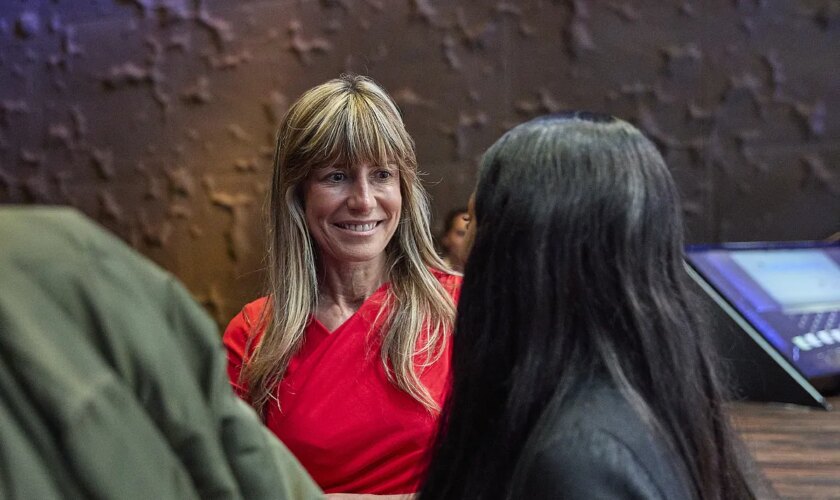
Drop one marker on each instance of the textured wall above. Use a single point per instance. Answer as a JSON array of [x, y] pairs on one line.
[[156, 117]]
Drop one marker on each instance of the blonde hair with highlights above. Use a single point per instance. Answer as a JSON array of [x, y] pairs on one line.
[[348, 121]]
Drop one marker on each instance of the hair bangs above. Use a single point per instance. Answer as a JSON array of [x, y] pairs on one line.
[[368, 132]]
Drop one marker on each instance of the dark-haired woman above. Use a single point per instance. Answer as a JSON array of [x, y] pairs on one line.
[[579, 369]]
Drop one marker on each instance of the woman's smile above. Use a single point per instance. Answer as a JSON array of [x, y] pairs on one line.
[[358, 227]]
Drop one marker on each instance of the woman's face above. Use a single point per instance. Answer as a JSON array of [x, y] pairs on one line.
[[455, 240], [352, 211]]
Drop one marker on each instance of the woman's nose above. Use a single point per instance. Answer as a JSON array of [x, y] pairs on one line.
[[361, 199]]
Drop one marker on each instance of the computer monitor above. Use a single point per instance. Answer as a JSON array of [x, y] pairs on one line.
[[786, 298]]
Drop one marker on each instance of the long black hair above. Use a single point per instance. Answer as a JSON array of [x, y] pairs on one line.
[[576, 271]]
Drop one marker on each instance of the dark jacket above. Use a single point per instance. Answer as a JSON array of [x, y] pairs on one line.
[[112, 379], [596, 446]]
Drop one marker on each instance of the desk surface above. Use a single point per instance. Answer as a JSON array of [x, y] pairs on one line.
[[796, 448]]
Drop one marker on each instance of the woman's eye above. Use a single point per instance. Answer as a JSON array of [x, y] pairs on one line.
[[336, 177], [383, 175]]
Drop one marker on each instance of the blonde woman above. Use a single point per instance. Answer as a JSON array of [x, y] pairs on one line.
[[347, 357]]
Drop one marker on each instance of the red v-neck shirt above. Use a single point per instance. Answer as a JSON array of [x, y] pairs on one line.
[[352, 430]]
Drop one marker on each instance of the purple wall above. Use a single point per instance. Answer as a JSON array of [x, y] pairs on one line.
[[156, 117]]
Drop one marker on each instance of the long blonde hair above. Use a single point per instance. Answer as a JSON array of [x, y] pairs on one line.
[[348, 120]]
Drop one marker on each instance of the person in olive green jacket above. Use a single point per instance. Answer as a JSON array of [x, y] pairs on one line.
[[112, 379]]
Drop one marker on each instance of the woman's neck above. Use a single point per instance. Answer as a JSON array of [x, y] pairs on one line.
[[344, 286]]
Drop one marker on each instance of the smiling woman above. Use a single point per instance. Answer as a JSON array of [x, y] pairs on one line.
[[352, 274]]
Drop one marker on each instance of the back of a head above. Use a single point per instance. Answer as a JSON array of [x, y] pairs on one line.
[[579, 219], [576, 271], [585, 205]]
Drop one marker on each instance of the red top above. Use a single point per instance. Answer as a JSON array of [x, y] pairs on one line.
[[352, 429]]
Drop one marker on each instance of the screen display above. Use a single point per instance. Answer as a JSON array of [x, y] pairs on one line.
[[790, 293]]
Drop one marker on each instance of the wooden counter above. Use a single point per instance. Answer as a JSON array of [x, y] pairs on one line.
[[796, 448]]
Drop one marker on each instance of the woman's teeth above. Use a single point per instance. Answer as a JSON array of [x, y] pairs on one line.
[[360, 228]]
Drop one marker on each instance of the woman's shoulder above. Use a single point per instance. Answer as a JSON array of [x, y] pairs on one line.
[[450, 281], [255, 309], [596, 404], [597, 441], [243, 324]]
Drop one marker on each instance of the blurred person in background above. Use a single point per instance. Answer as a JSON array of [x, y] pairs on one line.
[[453, 241]]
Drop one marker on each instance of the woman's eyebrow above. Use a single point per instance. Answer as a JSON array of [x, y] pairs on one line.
[[330, 166]]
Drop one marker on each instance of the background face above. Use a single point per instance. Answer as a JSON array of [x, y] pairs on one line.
[[157, 117], [454, 241]]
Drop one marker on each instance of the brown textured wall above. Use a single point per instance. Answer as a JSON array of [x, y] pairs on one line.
[[156, 117]]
